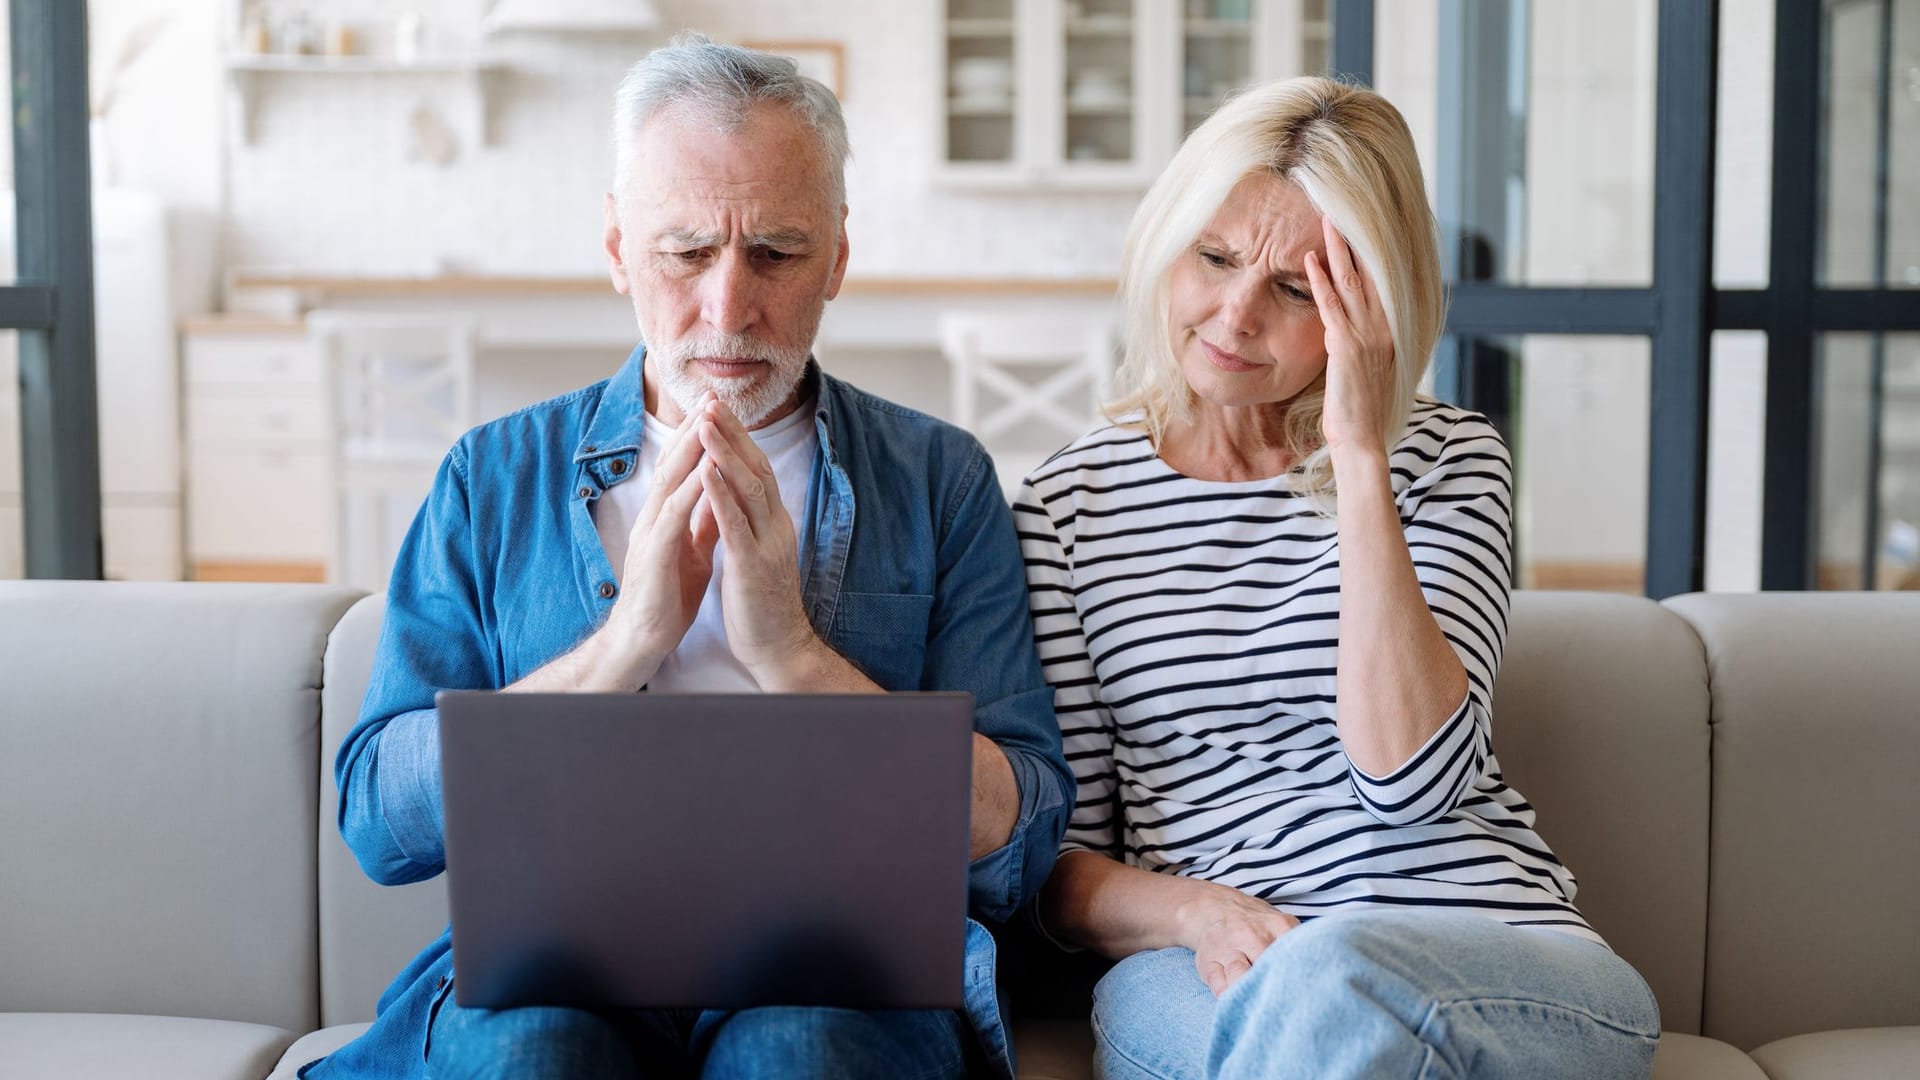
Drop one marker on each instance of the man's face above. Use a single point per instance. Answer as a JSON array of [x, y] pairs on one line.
[[730, 244]]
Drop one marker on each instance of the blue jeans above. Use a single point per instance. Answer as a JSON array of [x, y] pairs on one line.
[[555, 1043], [1394, 994]]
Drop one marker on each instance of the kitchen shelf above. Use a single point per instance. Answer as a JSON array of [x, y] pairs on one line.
[[248, 72]]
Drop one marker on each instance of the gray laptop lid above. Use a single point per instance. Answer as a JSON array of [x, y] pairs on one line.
[[707, 850]]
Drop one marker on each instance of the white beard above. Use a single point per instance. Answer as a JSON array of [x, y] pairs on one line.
[[752, 400]]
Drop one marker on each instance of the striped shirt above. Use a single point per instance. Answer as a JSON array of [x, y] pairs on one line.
[[1189, 629]]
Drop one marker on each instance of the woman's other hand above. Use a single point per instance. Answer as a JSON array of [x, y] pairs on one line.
[[1359, 347], [1227, 931]]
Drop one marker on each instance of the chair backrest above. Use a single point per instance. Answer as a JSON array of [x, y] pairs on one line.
[[401, 384], [157, 798], [400, 391], [1074, 356]]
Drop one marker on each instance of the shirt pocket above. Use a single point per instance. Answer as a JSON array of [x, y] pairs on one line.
[[884, 635]]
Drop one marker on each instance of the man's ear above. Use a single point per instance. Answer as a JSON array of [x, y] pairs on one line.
[[839, 257], [616, 264]]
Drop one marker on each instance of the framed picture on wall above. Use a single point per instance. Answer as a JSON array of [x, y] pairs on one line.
[[822, 60]]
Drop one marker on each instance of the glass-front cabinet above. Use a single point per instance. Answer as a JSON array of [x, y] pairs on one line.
[[1097, 94]]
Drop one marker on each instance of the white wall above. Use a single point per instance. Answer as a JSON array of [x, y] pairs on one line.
[[529, 203]]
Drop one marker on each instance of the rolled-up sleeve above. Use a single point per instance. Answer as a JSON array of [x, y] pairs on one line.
[[1459, 526], [981, 640], [388, 768]]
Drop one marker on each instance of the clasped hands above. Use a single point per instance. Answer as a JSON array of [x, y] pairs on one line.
[[713, 484]]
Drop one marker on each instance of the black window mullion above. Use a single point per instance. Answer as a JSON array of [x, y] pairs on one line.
[[1786, 530], [1682, 278], [59, 421]]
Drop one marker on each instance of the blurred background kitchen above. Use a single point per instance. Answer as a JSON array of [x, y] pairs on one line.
[[328, 236]]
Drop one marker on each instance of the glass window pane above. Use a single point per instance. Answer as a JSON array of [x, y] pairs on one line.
[[1842, 454], [1574, 409], [1535, 120], [1868, 441], [1736, 452], [1870, 168], [1743, 146]]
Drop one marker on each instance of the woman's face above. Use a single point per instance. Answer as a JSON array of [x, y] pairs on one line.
[[1245, 328]]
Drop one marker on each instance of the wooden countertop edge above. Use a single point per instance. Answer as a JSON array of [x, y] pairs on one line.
[[600, 285]]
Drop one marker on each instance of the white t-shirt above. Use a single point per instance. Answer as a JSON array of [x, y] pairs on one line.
[[704, 662]]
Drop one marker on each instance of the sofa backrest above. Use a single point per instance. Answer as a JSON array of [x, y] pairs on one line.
[[1600, 721], [368, 932], [157, 797], [1813, 907]]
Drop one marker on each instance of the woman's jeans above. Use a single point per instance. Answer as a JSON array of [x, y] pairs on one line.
[[554, 1043], [1394, 994]]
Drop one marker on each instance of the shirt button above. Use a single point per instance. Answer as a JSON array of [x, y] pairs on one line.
[[619, 466], [588, 449], [442, 984], [606, 590], [585, 491]]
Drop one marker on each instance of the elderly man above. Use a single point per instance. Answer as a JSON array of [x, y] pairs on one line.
[[720, 515]]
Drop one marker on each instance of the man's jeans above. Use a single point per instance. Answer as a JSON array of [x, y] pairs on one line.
[[1395, 994], [553, 1044]]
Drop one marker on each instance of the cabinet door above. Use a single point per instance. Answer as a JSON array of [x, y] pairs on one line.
[[1229, 45], [984, 54], [1108, 89], [254, 503]]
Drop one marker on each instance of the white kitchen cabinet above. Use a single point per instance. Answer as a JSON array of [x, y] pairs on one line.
[[260, 493], [1097, 94]]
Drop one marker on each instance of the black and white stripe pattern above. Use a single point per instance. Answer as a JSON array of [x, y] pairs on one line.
[[1190, 629]]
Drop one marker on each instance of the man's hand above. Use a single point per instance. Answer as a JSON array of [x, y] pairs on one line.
[[767, 626], [1227, 931], [669, 554]]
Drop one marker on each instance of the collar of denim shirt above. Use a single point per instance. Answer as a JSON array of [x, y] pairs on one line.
[[617, 426]]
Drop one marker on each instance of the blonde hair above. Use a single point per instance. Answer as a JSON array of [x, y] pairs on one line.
[[1350, 151]]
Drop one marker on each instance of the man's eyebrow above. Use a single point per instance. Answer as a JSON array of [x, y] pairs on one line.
[[689, 238], [778, 238]]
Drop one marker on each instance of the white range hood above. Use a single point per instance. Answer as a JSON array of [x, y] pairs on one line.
[[571, 16]]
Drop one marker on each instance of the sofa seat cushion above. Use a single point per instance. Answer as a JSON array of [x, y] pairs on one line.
[[1063, 1050], [1691, 1057], [82, 1046], [1853, 1054], [315, 1045]]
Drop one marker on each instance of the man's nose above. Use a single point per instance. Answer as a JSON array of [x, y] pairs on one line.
[[730, 295]]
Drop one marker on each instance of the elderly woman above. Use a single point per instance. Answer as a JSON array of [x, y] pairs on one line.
[[1271, 598]]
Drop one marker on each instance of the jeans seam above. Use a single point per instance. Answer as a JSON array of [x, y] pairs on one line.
[[1100, 1033], [1558, 1006]]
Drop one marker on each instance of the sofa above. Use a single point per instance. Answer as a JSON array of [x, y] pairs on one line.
[[1733, 778]]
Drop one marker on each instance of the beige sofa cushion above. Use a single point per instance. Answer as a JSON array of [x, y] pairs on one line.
[[157, 788], [368, 932], [1599, 720], [103, 1046], [1865, 1054], [1816, 812]]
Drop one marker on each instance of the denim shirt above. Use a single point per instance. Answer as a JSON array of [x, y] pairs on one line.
[[910, 570]]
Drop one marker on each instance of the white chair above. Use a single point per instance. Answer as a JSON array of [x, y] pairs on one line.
[[400, 387], [1066, 362]]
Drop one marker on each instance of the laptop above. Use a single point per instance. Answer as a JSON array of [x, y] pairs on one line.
[[707, 850]]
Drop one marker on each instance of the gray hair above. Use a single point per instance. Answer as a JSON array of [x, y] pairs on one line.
[[721, 83]]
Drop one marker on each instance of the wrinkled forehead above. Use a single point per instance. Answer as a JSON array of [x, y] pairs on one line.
[[1268, 216], [767, 160]]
